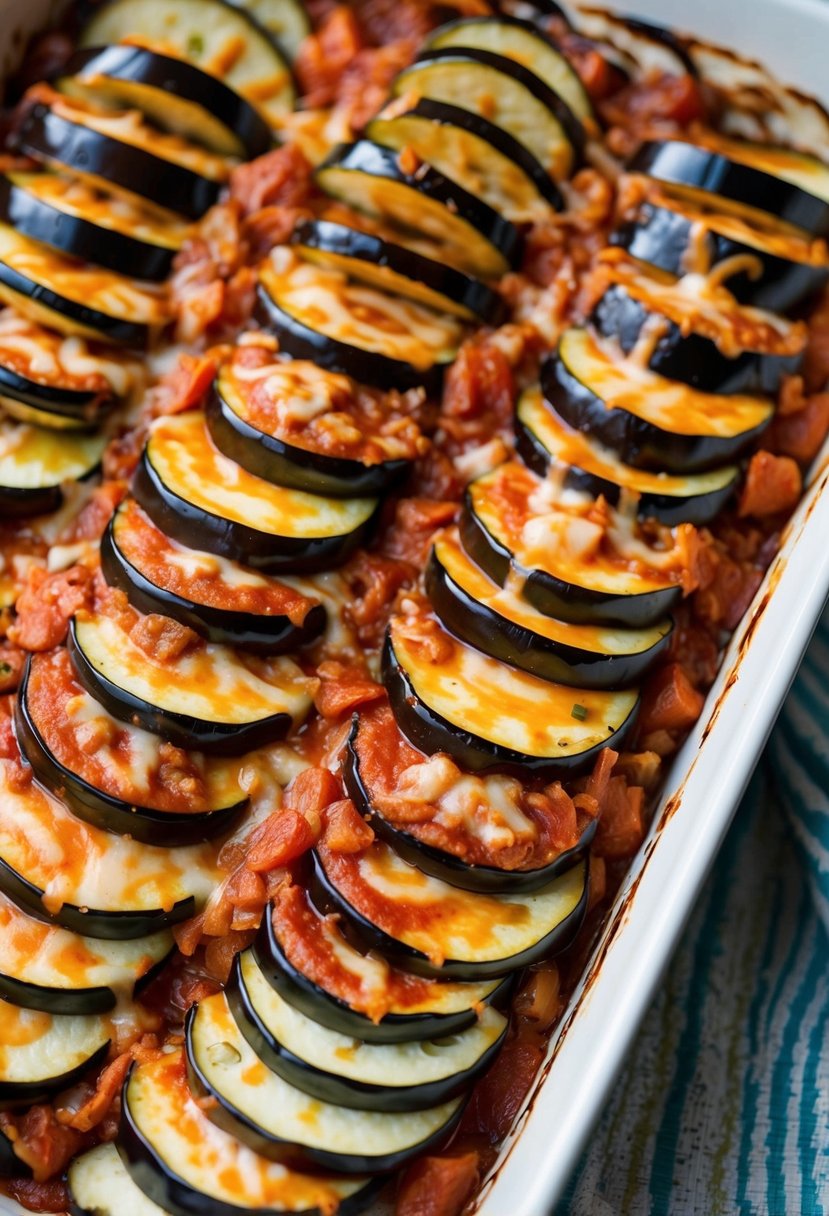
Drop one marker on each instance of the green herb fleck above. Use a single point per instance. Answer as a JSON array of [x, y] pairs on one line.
[[195, 45], [579, 712]]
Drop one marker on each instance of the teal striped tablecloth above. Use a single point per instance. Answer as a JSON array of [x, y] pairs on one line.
[[723, 1104]]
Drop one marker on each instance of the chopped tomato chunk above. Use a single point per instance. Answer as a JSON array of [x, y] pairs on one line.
[[437, 1186], [773, 485], [669, 700], [47, 604], [345, 830]]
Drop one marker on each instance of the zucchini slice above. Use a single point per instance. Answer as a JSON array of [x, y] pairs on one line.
[[499, 622], [516, 526], [505, 92], [446, 705], [76, 299], [197, 496], [743, 180], [543, 440], [527, 45], [90, 880], [122, 785], [297, 425], [223, 601], [99, 1185], [173, 94], [464, 231], [220, 39], [381, 263], [478, 833], [468, 149], [48, 968], [320, 315], [281, 1122], [773, 270], [435, 929], [207, 698], [335, 1068], [121, 153], [185, 1164], [646, 419], [77, 220], [35, 463], [286, 21], [313, 966], [44, 1053]]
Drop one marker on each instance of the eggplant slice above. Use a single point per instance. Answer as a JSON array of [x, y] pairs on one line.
[[391, 267], [107, 886], [172, 93], [412, 1008], [286, 21], [434, 929], [335, 1068], [500, 623], [320, 315], [282, 1122], [198, 497], [36, 462], [116, 153], [45, 1053], [96, 786], [200, 31], [649, 421], [99, 1185], [598, 588], [543, 440], [186, 1165], [221, 600], [207, 699], [48, 968], [463, 230]]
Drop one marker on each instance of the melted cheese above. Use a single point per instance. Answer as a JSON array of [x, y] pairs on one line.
[[329, 303], [802, 170], [507, 602], [388, 1064], [37, 1046], [621, 382], [72, 862], [296, 391], [183, 456], [505, 706], [444, 922], [49, 358], [33, 458], [209, 682], [212, 1161], [50, 957], [287, 1113]]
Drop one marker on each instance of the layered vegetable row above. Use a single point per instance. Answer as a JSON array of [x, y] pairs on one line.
[[376, 991]]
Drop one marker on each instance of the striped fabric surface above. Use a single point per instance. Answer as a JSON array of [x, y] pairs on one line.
[[723, 1105]]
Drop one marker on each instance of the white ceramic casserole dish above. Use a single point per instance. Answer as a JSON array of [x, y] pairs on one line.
[[711, 771]]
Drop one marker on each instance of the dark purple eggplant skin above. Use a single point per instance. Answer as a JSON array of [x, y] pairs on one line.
[[325, 236], [244, 630], [286, 464], [191, 526], [19, 503], [661, 237], [214, 738], [493, 634], [56, 141], [343, 1091], [660, 33], [638, 443], [412, 960], [50, 397], [367, 366], [567, 601], [25, 1093], [684, 164], [233, 1121], [693, 359], [363, 156], [329, 1011], [10, 1164], [181, 79], [541, 91], [55, 1000], [482, 879], [104, 810], [431, 732], [668, 509], [81, 238]]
